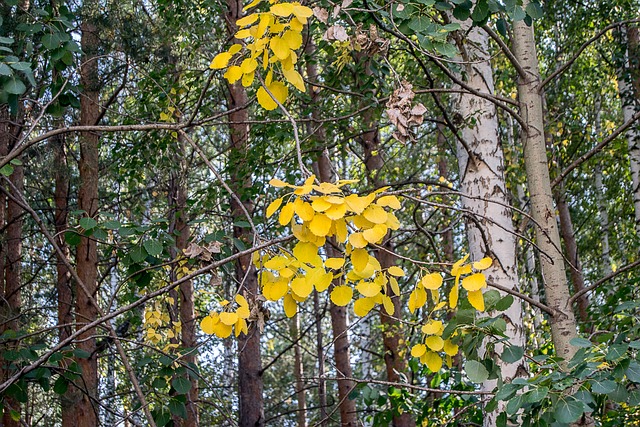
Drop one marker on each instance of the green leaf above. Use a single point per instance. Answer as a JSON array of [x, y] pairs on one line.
[[88, 223], [6, 170], [633, 372], [138, 254], [476, 371], [616, 351], [515, 403], [72, 238], [537, 394], [602, 386], [580, 342], [161, 418], [534, 10], [620, 394], [21, 66], [51, 40], [159, 384], [504, 303], [81, 354], [480, 12], [178, 408], [6, 40], [507, 391], [512, 354], [61, 385], [112, 225], [153, 247], [14, 86], [5, 70], [181, 385], [567, 409], [634, 398]]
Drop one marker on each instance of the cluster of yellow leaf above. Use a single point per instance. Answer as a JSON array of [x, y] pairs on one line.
[[316, 212], [222, 324], [158, 325], [433, 343], [270, 38]]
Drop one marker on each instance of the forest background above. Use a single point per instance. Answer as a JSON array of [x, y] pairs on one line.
[[347, 213]]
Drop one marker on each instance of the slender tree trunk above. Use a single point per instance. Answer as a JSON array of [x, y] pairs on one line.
[[563, 323], [85, 410], [482, 183], [298, 371], [249, 363], [443, 170]]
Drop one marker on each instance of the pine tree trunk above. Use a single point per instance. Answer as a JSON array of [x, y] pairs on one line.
[[85, 412], [485, 195], [563, 323], [250, 383]]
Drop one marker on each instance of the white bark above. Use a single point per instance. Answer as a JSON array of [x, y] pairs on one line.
[[482, 180], [563, 323], [602, 206]]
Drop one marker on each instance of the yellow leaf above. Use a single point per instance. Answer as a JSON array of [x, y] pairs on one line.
[[334, 263], [389, 201], [241, 326], [388, 305], [305, 252], [483, 264], [301, 287], [243, 34], [220, 61], [277, 262], [235, 48], [248, 65], [302, 11], [359, 259], [321, 204], [243, 307], [450, 348], [395, 271], [266, 19], [375, 214], [286, 214], [453, 295], [254, 3], [279, 289], [392, 221], [275, 182], [363, 306], [474, 282], [341, 230], [273, 206], [432, 360], [417, 299], [290, 306], [228, 318], [221, 330], [361, 222], [375, 234], [247, 79], [341, 295], [432, 327], [297, 24], [293, 39], [320, 225], [278, 90], [304, 210], [434, 342], [418, 350], [357, 240], [476, 299], [233, 74], [207, 324], [358, 204], [431, 281], [394, 286], [326, 188], [368, 289], [280, 48], [458, 269], [336, 211], [323, 282], [282, 9], [247, 20]]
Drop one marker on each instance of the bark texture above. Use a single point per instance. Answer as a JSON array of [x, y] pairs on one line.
[[563, 323]]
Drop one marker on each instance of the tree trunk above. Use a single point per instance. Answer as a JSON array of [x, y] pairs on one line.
[[249, 363], [563, 323], [84, 412], [298, 371], [482, 183]]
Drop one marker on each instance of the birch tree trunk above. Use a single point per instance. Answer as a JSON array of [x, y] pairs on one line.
[[563, 322], [298, 371], [483, 186]]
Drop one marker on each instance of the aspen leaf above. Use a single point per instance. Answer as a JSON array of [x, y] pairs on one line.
[[392, 221], [375, 214], [375, 234], [241, 327], [417, 299], [243, 34], [458, 269], [389, 201], [334, 263], [235, 48], [243, 307], [450, 348], [290, 306], [220, 61], [476, 299], [302, 11], [233, 74], [248, 65], [320, 225], [358, 204], [363, 306], [433, 327], [221, 330], [418, 350], [387, 303], [273, 207], [286, 273], [275, 182], [453, 296], [228, 318], [368, 289], [321, 204], [247, 20], [434, 342], [395, 271], [341, 229], [278, 290], [357, 240], [278, 90], [254, 3], [207, 325], [323, 282], [474, 282], [301, 287], [326, 188], [293, 39], [282, 9], [303, 210], [280, 48], [305, 252], [432, 360], [483, 264], [247, 79], [277, 263], [336, 211], [431, 281], [359, 259], [286, 214], [341, 295], [394, 285]]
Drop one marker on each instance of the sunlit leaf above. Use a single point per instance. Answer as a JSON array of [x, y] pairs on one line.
[[396, 271], [341, 295], [474, 282], [286, 214], [434, 342], [220, 61], [334, 263], [273, 207], [363, 306], [290, 306], [483, 264], [476, 299], [418, 350], [432, 281]]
